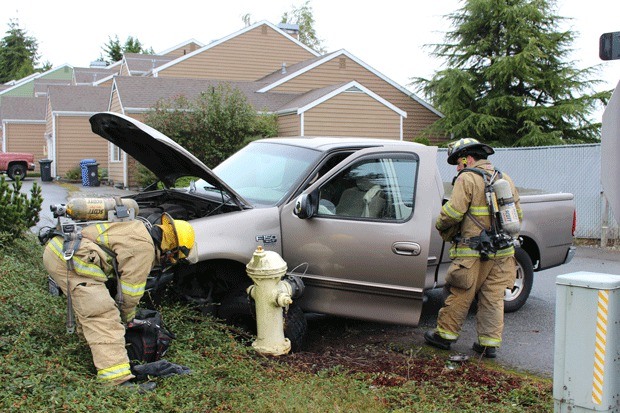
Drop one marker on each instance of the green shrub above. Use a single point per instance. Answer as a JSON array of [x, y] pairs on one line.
[[74, 174], [17, 211], [423, 141]]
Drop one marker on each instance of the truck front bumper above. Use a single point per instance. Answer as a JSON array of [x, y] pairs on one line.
[[570, 254], [31, 166]]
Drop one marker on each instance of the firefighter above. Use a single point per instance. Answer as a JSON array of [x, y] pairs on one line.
[[479, 268], [134, 250]]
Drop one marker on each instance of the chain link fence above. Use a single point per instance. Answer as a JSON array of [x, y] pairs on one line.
[[571, 168]]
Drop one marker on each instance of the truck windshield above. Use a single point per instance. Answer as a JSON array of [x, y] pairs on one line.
[[264, 173]]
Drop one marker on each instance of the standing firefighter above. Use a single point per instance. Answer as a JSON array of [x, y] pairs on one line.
[[482, 220], [126, 250]]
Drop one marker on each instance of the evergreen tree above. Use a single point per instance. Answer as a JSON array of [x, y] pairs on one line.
[[18, 53], [114, 50], [508, 80], [303, 17]]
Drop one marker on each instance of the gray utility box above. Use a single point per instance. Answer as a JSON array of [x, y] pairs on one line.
[[586, 371]]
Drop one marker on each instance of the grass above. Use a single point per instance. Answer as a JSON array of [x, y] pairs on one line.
[[44, 369]]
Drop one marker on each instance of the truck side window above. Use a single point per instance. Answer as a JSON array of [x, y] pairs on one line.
[[376, 188]]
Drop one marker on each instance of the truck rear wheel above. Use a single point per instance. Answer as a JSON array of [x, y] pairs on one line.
[[516, 297], [16, 171]]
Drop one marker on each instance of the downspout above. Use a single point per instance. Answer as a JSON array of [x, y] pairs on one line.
[[401, 128], [53, 140], [302, 125]]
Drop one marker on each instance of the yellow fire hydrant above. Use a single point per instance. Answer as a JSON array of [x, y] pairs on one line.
[[271, 294]]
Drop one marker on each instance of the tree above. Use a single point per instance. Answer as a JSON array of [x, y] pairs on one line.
[[214, 125], [507, 79], [114, 50], [303, 17], [18, 53], [17, 211]]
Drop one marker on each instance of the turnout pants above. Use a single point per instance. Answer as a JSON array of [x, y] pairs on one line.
[[468, 277], [98, 320]]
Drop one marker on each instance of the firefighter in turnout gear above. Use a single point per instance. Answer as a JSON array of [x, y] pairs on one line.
[[126, 251], [482, 254]]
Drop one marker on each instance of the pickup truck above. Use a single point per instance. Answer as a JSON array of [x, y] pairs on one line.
[[353, 219], [16, 164]]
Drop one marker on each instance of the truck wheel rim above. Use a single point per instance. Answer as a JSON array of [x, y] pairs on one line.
[[518, 286]]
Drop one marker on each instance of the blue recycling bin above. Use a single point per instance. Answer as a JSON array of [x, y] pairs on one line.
[[84, 163]]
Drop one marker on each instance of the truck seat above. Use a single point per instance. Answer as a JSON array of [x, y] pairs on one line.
[[365, 199]]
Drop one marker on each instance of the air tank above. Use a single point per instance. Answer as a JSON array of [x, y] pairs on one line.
[[508, 216], [96, 209]]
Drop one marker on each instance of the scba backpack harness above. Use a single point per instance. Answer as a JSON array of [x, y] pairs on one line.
[[505, 224]]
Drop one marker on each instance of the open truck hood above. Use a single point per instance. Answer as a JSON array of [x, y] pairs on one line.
[[161, 155]]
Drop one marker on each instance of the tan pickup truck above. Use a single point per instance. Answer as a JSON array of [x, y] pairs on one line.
[[353, 219]]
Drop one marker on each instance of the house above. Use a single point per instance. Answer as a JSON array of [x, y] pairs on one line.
[[23, 125], [68, 135], [25, 87], [346, 109]]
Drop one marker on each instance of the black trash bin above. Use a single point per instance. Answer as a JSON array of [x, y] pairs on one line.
[[84, 170], [46, 169], [93, 174]]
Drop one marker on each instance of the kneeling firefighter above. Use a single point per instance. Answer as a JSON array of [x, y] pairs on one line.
[[482, 220], [82, 262]]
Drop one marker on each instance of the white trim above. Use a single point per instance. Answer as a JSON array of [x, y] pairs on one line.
[[343, 52], [23, 121], [53, 142], [401, 128], [343, 89], [231, 36], [105, 79], [72, 113]]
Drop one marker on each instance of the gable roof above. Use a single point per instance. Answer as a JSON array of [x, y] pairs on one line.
[[88, 99], [141, 64], [90, 75], [231, 36], [315, 97], [23, 108], [276, 79], [32, 77], [139, 94]]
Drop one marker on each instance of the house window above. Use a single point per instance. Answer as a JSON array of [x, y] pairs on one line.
[[116, 154]]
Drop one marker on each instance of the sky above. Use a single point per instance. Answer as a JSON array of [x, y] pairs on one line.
[[388, 35]]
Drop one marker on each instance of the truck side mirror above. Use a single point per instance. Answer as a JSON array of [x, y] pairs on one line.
[[305, 206]]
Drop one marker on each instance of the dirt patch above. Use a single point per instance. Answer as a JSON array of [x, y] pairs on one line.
[[391, 356]]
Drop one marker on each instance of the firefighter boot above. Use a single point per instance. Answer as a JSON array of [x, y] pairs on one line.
[[488, 352], [431, 337]]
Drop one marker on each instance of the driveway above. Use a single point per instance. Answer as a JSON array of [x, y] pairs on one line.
[[57, 192]]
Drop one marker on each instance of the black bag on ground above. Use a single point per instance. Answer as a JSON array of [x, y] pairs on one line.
[[146, 338]]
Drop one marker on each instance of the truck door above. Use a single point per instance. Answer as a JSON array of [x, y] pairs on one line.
[[364, 253]]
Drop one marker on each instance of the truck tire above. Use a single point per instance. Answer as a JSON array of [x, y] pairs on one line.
[[518, 295], [16, 171], [237, 309]]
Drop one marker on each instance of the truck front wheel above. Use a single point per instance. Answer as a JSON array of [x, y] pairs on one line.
[[519, 293], [16, 171], [238, 309]]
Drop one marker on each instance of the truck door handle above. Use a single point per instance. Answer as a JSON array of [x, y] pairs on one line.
[[406, 248]]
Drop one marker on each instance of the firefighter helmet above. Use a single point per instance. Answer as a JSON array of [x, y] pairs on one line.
[[176, 239], [467, 146]]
